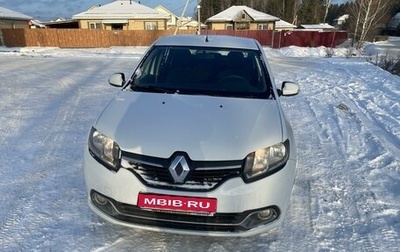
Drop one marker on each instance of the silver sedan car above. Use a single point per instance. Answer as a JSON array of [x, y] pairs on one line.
[[195, 142]]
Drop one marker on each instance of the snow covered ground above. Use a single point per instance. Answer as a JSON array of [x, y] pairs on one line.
[[346, 121]]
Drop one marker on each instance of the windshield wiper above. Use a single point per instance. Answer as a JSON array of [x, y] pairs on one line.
[[154, 89]]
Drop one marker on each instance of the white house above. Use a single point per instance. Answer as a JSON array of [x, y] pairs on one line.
[[240, 17]]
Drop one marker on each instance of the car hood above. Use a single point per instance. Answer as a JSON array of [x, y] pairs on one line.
[[205, 127]]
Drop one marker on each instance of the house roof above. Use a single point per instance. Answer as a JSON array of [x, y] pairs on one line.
[[60, 21], [233, 13], [37, 23], [10, 14], [342, 18], [317, 26], [281, 24], [121, 9]]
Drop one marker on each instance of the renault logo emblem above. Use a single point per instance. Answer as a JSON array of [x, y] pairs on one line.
[[179, 169]]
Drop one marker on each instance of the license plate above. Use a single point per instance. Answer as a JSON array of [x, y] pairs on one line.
[[191, 205]]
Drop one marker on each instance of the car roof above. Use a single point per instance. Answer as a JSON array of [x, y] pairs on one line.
[[208, 41]]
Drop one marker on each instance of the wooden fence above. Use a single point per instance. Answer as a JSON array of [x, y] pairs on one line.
[[78, 38]]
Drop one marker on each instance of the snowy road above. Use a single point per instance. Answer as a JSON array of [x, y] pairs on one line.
[[346, 122]]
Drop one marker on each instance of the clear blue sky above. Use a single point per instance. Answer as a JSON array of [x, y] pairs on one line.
[[49, 9]]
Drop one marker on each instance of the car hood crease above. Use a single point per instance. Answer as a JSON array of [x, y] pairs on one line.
[[212, 128]]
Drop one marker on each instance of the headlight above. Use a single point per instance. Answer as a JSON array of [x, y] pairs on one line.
[[265, 161], [104, 149]]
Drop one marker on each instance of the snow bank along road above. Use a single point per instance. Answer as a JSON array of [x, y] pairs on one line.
[[346, 121]]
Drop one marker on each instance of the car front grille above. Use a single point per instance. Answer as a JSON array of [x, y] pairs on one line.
[[203, 175]]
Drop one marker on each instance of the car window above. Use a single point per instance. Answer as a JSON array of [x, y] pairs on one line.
[[208, 71]]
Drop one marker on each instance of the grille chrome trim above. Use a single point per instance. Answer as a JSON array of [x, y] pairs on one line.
[[203, 175], [144, 162], [220, 168]]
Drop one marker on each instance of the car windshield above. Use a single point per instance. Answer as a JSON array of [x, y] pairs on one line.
[[207, 71]]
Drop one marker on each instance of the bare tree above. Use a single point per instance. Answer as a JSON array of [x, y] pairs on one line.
[[366, 15], [296, 4], [327, 4], [284, 9]]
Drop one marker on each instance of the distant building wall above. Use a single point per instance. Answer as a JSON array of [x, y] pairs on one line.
[[241, 25], [218, 26], [262, 26], [14, 24], [133, 24]]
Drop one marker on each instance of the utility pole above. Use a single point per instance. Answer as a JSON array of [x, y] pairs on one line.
[[183, 13], [198, 18]]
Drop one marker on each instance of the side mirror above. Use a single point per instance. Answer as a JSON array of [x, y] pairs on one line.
[[289, 89], [117, 79]]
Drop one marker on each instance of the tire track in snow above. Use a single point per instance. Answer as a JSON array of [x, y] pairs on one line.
[[354, 210], [307, 114], [331, 181], [17, 175], [22, 217], [364, 145], [334, 197], [18, 223], [387, 136]]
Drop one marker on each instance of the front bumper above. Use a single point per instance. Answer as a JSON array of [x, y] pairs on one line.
[[237, 203]]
